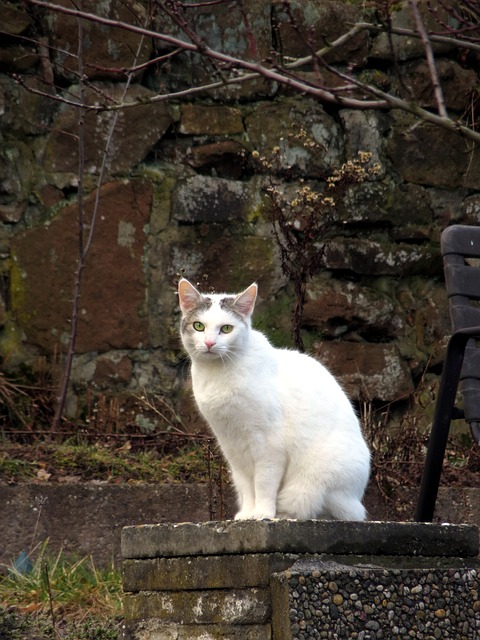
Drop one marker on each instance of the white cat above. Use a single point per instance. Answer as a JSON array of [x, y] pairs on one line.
[[285, 426]]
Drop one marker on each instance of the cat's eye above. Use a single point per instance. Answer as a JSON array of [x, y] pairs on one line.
[[198, 326], [227, 328]]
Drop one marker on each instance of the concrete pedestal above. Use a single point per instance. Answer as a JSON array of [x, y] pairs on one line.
[[301, 579]]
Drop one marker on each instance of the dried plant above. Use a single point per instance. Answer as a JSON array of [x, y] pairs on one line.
[[304, 219]]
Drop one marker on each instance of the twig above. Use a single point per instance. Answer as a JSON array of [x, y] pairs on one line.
[[84, 243], [437, 88]]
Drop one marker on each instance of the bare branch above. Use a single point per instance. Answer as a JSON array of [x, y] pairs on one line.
[[441, 39], [252, 70], [437, 88]]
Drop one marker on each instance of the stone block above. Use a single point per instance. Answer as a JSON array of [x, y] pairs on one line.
[[131, 141], [108, 50], [434, 16], [222, 606], [336, 307], [156, 630], [299, 536], [309, 25], [44, 267], [456, 83], [309, 139], [379, 257], [415, 155], [210, 120], [367, 369], [202, 572], [204, 199], [224, 31]]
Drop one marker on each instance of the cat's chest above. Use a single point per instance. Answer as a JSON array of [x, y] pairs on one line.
[[218, 388]]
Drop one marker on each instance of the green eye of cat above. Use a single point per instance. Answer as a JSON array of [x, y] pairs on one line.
[[198, 326], [227, 328]]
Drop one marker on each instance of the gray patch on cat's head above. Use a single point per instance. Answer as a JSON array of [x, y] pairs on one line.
[[204, 304], [228, 304]]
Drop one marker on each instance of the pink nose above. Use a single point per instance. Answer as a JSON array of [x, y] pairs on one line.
[[209, 343]]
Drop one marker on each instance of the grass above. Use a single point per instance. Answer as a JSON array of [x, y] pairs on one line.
[[60, 597], [80, 461]]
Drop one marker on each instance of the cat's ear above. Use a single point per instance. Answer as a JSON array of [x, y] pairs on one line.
[[245, 301], [188, 296]]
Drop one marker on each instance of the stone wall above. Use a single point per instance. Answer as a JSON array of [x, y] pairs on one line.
[[179, 198], [300, 579]]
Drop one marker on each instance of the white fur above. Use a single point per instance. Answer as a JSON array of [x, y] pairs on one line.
[[287, 429]]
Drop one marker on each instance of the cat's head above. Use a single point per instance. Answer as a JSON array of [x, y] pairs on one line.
[[215, 326]]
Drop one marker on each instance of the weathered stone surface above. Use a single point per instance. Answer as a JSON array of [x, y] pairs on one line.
[[228, 606], [224, 159], [299, 536], [19, 59], [323, 22], [16, 176], [153, 629], [367, 257], [433, 16], [210, 120], [112, 369], [374, 371], [202, 572], [23, 112], [223, 31], [131, 141], [471, 210], [364, 131], [415, 154], [15, 18], [336, 307], [107, 50], [309, 140], [87, 518], [456, 83], [45, 260], [230, 262], [202, 199]]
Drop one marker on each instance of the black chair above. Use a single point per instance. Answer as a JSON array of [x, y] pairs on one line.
[[461, 258]]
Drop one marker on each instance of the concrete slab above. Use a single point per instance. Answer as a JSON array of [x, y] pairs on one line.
[[295, 536]]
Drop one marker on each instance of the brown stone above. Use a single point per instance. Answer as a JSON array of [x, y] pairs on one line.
[[110, 371], [112, 302], [434, 16], [416, 155], [336, 307], [320, 23], [133, 138], [210, 120], [365, 370], [456, 82], [223, 158], [108, 50], [15, 18]]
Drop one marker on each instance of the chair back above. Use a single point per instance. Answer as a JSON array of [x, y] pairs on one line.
[[461, 258]]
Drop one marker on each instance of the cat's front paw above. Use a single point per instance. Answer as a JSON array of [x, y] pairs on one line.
[[255, 515], [244, 515]]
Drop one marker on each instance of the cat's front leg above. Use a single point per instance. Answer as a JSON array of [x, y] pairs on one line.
[[268, 476], [245, 495]]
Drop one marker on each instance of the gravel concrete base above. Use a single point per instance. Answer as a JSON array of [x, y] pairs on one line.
[[326, 600]]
